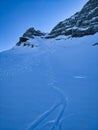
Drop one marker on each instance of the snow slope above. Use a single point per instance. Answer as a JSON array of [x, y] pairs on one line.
[[53, 86]]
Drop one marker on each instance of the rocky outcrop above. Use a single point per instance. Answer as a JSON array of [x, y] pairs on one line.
[[95, 44], [31, 32], [21, 39], [80, 24]]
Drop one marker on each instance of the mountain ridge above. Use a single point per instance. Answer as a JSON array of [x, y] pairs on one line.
[[82, 23]]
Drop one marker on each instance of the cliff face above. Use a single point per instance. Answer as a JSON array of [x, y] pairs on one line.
[[80, 24]]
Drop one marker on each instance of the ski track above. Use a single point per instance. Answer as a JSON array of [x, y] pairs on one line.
[[42, 117], [62, 105]]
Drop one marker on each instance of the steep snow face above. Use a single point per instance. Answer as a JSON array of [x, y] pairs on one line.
[[82, 23], [52, 86]]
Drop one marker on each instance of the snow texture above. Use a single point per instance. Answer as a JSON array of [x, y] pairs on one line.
[[52, 86]]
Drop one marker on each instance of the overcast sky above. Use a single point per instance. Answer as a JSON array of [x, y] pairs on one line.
[[16, 16]]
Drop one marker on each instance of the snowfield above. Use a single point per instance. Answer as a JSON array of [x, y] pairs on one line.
[[53, 86]]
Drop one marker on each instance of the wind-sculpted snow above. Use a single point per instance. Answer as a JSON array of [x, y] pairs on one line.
[[52, 86]]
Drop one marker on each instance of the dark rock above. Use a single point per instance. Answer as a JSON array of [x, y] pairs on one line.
[[23, 39], [26, 44], [31, 32], [32, 46], [18, 43], [95, 44]]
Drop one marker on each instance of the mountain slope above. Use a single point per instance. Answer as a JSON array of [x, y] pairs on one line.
[[50, 81], [50, 86]]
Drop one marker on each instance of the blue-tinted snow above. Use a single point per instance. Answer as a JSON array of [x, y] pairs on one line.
[[53, 86]]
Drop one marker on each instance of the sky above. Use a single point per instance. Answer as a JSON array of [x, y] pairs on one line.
[[16, 16]]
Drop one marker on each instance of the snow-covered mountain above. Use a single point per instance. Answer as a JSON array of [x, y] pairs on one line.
[[84, 22], [50, 83]]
